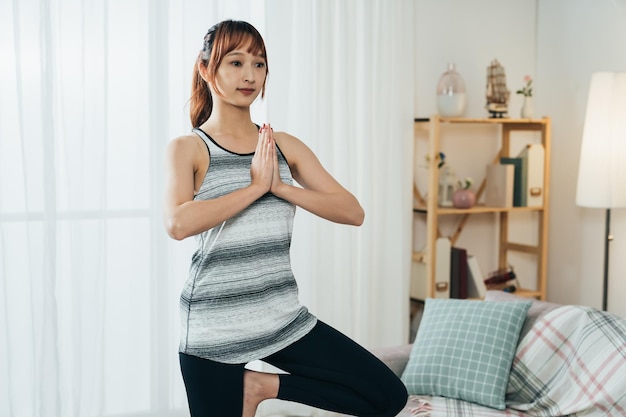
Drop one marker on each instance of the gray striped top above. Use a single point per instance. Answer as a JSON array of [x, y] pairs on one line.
[[240, 302]]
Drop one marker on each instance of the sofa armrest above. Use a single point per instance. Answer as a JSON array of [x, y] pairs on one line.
[[395, 357]]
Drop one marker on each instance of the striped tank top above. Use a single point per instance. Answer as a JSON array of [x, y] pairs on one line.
[[240, 301]]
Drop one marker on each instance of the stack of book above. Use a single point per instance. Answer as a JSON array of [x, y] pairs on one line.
[[466, 278], [518, 181], [458, 274]]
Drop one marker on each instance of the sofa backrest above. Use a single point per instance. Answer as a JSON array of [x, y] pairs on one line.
[[536, 310]]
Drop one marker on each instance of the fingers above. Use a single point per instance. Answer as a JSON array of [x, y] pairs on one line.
[[266, 140], [262, 169], [271, 143], [269, 154], [260, 146], [268, 145], [269, 148]]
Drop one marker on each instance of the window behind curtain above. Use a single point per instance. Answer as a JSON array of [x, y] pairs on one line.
[[88, 301]]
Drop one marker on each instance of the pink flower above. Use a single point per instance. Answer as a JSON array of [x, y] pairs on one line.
[[527, 90]]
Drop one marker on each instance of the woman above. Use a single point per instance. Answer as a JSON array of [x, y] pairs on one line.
[[230, 184]]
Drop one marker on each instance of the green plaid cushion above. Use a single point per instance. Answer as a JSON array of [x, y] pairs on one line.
[[464, 350]]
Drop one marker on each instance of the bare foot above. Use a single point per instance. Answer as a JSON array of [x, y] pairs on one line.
[[257, 386]]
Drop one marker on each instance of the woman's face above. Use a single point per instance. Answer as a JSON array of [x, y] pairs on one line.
[[241, 76]]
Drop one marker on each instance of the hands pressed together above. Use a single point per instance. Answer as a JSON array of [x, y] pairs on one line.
[[264, 169]]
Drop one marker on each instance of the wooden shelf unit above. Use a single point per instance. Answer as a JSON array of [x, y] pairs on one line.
[[429, 207]]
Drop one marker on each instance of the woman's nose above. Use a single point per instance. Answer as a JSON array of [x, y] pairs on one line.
[[248, 75]]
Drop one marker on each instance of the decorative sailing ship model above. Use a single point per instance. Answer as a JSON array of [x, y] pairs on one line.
[[497, 93]]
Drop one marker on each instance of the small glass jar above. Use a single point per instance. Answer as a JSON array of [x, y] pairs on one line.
[[447, 185], [451, 93]]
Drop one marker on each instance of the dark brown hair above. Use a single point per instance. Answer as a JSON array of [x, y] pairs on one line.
[[221, 39]]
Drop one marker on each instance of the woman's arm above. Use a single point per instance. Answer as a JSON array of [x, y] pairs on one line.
[[321, 194], [185, 217]]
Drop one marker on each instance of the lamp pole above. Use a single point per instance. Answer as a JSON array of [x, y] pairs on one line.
[[609, 238]]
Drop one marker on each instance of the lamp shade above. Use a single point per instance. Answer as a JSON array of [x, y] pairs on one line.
[[602, 169]]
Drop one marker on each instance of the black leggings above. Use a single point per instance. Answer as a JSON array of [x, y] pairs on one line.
[[325, 370]]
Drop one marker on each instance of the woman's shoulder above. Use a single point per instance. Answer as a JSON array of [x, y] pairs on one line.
[[295, 151], [289, 142], [189, 141], [185, 146]]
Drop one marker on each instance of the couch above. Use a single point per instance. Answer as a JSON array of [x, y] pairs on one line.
[[565, 361]]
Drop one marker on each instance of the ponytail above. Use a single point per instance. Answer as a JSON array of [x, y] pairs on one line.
[[201, 102]]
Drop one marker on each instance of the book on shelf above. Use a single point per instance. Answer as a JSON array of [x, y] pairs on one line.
[[533, 166], [518, 176], [476, 281], [458, 273], [442, 265], [417, 288], [499, 185]]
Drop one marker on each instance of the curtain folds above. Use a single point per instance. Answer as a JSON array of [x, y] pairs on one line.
[[90, 94], [342, 81]]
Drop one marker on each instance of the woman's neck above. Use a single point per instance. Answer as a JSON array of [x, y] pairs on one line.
[[229, 119], [232, 128]]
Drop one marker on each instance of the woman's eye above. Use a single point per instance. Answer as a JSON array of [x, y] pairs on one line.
[[236, 63], [260, 65]]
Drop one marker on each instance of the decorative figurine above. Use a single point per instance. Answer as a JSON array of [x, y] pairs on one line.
[[497, 93]]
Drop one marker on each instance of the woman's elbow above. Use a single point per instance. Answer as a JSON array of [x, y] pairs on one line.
[[175, 228], [360, 218], [357, 217]]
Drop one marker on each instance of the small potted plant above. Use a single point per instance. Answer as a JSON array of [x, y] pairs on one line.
[[464, 197], [527, 92]]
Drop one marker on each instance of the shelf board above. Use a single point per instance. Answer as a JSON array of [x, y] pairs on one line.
[[476, 209], [520, 292], [483, 120]]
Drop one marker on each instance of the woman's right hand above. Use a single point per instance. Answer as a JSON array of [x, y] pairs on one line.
[[262, 167]]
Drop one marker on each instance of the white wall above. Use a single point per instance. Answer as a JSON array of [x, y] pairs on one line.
[[472, 34], [576, 38], [560, 43]]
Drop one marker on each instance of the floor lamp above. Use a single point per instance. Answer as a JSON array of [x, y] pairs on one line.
[[602, 168]]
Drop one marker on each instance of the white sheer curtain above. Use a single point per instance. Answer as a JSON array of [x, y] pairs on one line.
[[90, 92], [342, 80]]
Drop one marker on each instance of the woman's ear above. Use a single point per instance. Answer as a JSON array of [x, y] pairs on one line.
[[202, 70]]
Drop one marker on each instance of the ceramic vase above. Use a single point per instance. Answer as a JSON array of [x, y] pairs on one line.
[[463, 198], [527, 108]]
